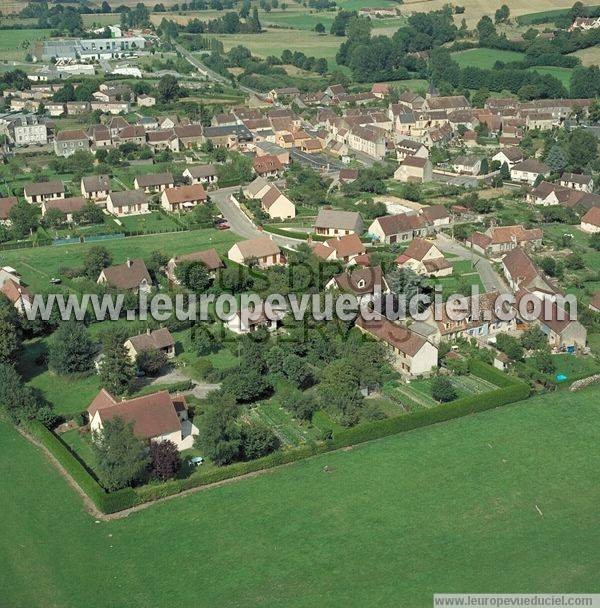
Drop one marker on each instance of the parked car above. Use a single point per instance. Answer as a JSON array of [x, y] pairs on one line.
[[223, 226], [196, 461]]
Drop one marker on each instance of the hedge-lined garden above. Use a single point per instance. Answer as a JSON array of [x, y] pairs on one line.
[[510, 390]]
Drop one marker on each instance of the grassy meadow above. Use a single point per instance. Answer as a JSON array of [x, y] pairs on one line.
[[15, 44], [484, 58], [388, 524], [39, 264]]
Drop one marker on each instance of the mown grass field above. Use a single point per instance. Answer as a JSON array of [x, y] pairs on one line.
[[448, 508], [484, 58], [274, 41], [562, 74], [38, 265], [15, 44]]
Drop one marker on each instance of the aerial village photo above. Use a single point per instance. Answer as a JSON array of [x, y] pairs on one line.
[[299, 303]]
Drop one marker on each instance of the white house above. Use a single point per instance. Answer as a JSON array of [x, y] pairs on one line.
[[528, 171], [277, 206], [128, 202]]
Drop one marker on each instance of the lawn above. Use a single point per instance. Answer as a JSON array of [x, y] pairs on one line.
[[15, 44], [450, 508], [67, 395], [150, 222], [562, 74], [484, 58], [571, 365], [38, 265], [462, 274]]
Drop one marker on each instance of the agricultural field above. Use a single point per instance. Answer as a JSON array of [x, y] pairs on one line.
[[589, 56], [484, 58], [274, 41], [478, 8], [562, 74], [39, 264], [290, 520], [15, 44]]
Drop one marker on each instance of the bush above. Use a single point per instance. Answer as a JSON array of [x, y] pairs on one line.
[[105, 502], [204, 367]]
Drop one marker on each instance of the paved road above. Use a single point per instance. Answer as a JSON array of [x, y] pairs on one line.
[[211, 74], [491, 280], [239, 221]]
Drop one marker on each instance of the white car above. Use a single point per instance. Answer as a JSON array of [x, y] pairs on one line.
[[196, 461]]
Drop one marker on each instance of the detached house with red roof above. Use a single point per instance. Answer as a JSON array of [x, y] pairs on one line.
[[183, 198], [423, 257], [268, 165], [262, 251], [277, 206], [156, 417], [590, 222], [344, 248], [11, 288], [6, 204], [131, 275], [159, 339], [392, 229]]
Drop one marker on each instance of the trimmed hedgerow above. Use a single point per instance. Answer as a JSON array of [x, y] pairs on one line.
[[509, 391], [104, 501]]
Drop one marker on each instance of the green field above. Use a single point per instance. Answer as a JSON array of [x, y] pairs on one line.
[[38, 265], [298, 20], [484, 58], [448, 508], [274, 41], [562, 74], [15, 44], [462, 274]]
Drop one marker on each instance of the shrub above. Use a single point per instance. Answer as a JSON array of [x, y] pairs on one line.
[[442, 389]]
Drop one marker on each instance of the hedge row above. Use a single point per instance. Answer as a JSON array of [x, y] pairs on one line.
[[105, 502], [512, 390]]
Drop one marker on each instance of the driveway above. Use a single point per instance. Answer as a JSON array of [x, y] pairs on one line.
[[491, 280], [239, 221]]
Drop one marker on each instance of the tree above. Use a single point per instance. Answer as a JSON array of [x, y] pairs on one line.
[[220, 435], [90, 213], [442, 389], [168, 88], [510, 346], [194, 276], [95, 260], [320, 28], [534, 338], [338, 391], [21, 402], [542, 361], [71, 350], [165, 461], [10, 337], [151, 361], [557, 158], [24, 219], [121, 458], [583, 148], [204, 341], [505, 171], [246, 384], [300, 405], [404, 282], [502, 14], [116, 369], [595, 241], [550, 266], [54, 217], [257, 440]]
